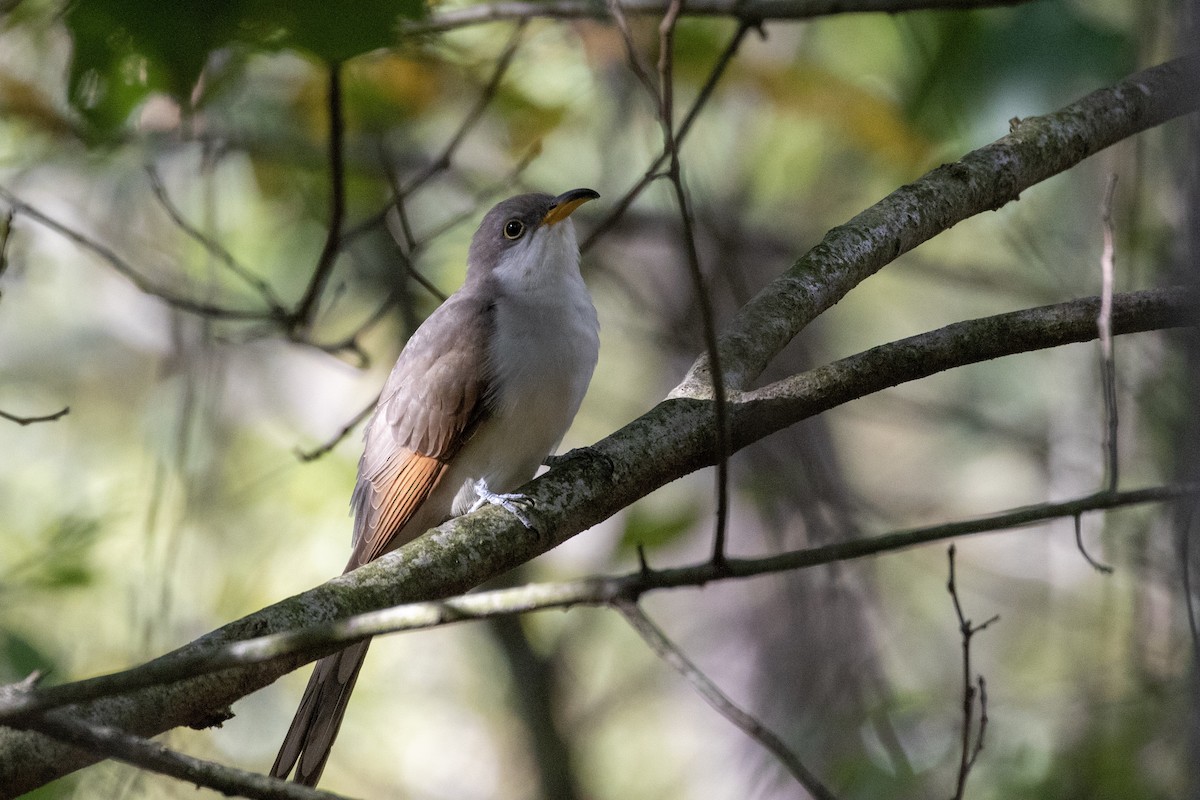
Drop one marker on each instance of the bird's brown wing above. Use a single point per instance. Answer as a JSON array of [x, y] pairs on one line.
[[430, 405]]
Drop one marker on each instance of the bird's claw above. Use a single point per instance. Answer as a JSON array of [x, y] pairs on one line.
[[510, 502]]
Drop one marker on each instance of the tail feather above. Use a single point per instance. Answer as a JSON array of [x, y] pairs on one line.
[[319, 717]]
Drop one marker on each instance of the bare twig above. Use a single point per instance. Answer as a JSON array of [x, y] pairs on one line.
[[62, 412], [5, 232], [215, 248], [1190, 529], [674, 657], [315, 640], [616, 10], [970, 751], [984, 179], [1108, 370], [302, 317], [663, 96], [755, 11], [666, 113], [314, 454], [1096, 565], [123, 267], [439, 164], [444, 160], [983, 715], [675, 437], [654, 171], [110, 742]]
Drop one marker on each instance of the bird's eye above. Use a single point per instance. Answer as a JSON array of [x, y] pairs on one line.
[[513, 229]]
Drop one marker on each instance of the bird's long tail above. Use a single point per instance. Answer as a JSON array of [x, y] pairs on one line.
[[317, 720]]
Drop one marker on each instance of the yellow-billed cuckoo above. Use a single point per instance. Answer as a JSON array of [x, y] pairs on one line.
[[480, 396]]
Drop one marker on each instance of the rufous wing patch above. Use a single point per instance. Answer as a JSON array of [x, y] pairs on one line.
[[396, 493]]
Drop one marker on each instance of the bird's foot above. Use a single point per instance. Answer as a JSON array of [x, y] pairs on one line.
[[510, 502]]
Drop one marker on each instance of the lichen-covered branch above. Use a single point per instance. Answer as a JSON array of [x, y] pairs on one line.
[[983, 180], [676, 437]]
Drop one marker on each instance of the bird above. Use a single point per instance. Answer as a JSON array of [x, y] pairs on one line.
[[480, 396]]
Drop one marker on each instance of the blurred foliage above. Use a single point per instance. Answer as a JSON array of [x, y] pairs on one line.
[[123, 50], [651, 531], [170, 500]]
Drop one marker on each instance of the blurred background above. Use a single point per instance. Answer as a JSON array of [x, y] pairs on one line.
[[172, 497]]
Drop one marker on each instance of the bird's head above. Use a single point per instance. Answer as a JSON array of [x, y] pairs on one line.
[[528, 238]]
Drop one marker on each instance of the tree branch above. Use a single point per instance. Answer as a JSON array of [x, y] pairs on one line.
[[676, 437], [445, 159], [303, 315], [753, 11], [109, 742], [969, 751], [21, 700], [983, 180], [214, 248], [123, 267], [466, 551], [674, 657], [57, 415]]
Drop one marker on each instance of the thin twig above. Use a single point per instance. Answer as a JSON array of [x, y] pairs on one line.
[[5, 233], [211, 245], [17, 702], [1108, 370], [654, 171], [616, 10], [439, 164], [983, 720], [62, 412], [302, 317], [708, 324], [110, 742], [444, 160], [314, 454], [1190, 529], [124, 268], [850, 253], [1096, 565], [970, 751], [755, 11], [751, 726]]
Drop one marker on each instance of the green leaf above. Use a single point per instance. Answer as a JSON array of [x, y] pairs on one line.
[[333, 32], [126, 50]]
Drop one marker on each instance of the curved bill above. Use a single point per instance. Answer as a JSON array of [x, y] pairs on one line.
[[567, 202]]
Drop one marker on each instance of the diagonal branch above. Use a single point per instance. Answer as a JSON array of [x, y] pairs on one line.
[[676, 437], [653, 172], [20, 701], [983, 180], [214, 248], [109, 742], [143, 284], [582, 491], [712, 694], [445, 159]]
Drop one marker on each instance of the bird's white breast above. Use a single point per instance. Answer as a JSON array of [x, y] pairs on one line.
[[544, 345]]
